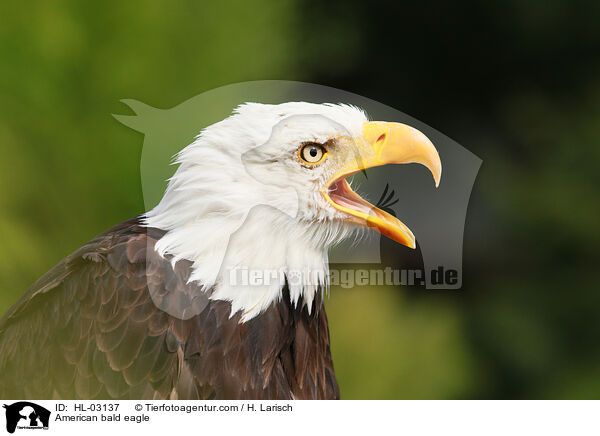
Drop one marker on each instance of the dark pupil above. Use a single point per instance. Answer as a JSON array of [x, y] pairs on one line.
[[313, 152]]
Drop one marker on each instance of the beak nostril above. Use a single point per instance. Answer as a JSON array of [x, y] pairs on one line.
[[381, 137]]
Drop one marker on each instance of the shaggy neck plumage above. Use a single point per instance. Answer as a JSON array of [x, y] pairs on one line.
[[249, 263]]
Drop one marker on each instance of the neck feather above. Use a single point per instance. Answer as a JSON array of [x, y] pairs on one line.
[[247, 261]]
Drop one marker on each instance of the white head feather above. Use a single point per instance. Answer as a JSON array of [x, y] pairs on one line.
[[242, 201]]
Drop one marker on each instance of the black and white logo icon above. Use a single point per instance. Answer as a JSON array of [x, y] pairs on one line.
[[26, 415]]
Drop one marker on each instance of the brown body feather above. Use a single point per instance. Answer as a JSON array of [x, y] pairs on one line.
[[91, 328]]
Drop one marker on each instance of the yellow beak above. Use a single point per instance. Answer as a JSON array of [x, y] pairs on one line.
[[383, 144]]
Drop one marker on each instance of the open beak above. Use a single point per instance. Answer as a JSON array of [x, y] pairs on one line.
[[384, 143]]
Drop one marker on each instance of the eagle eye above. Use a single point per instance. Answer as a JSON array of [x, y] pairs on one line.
[[312, 153]]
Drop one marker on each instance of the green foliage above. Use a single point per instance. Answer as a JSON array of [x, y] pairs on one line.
[[388, 347]]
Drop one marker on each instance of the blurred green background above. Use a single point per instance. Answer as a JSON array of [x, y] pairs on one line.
[[517, 83]]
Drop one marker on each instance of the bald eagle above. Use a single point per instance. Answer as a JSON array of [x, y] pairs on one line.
[[150, 308]]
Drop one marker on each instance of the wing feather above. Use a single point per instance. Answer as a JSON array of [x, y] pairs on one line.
[[95, 327]]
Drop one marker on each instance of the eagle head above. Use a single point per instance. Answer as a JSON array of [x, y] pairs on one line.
[[258, 198]]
